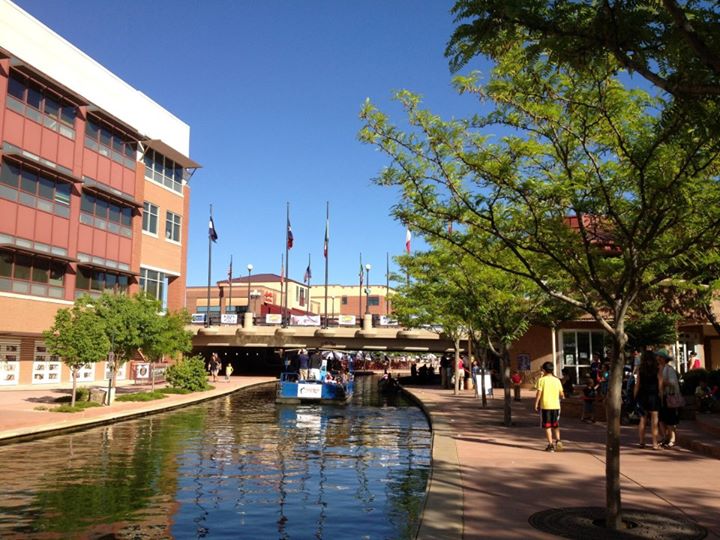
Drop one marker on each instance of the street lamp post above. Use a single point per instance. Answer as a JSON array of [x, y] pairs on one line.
[[250, 269], [367, 288]]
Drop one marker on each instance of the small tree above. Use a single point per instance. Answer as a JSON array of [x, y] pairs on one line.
[[166, 336], [78, 338]]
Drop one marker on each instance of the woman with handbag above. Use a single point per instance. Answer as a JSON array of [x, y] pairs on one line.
[[647, 395], [671, 397]]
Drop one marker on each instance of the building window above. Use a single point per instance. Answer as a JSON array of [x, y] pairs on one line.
[[154, 283], [106, 215], [578, 348], [41, 105], [344, 300], [110, 143], [46, 368], [172, 226], [94, 282], [9, 362], [150, 218], [19, 184], [373, 301], [31, 274], [163, 171]]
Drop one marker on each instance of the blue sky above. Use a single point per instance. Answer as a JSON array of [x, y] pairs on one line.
[[272, 91]]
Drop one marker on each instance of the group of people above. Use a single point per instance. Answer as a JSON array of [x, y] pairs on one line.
[[215, 366], [658, 397]]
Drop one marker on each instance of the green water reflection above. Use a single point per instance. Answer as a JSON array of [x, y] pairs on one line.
[[236, 467]]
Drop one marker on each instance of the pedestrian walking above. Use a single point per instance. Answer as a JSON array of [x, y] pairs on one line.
[[647, 396], [228, 371], [547, 401], [214, 366], [672, 399]]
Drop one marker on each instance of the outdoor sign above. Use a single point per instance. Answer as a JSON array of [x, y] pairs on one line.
[[387, 321], [198, 318], [305, 320], [228, 318], [142, 371], [269, 296], [310, 391], [273, 318], [346, 320], [488, 384]]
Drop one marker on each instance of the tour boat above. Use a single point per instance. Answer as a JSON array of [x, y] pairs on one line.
[[322, 385]]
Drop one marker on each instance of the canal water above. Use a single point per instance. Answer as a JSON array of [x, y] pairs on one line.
[[239, 466]]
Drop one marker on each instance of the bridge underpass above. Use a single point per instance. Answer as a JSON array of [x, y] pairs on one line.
[[258, 349]]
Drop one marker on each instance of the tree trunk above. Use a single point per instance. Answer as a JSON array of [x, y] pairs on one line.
[[152, 376], [613, 402], [507, 397], [457, 362], [74, 387]]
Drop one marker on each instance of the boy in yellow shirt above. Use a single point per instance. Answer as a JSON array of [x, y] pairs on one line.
[[547, 401]]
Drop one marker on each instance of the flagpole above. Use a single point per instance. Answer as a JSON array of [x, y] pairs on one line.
[[360, 291], [309, 277], [326, 251], [387, 283], [230, 285], [282, 285], [286, 317], [207, 312]]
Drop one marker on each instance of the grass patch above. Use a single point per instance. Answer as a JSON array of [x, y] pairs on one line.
[[171, 390], [141, 396], [79, 406], [40, 408]]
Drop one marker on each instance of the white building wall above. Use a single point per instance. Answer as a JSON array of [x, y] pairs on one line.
[[37, 45]]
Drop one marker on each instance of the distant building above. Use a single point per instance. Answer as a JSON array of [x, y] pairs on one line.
[[264, 293], [93, 192]]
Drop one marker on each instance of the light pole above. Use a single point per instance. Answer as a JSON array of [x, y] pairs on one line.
[[250, 269], [367, 288]]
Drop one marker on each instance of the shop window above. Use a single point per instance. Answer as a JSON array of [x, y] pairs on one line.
[[9, 362], [373, 301], [28, 274], [46, 368]]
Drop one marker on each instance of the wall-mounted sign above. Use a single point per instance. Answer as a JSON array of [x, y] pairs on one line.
[[273, 318], [198, 318], [228, 318], [346, 320]]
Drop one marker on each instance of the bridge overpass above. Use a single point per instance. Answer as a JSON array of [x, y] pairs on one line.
[[366, 338]]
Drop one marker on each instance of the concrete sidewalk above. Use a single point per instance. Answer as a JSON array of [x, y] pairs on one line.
[[493, 478]]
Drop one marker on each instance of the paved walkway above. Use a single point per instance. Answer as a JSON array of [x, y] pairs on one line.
[[487, 479]]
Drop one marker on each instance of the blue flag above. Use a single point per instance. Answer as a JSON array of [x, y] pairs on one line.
[[211, 230]]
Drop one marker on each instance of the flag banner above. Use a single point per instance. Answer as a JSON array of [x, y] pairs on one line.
[[212, 233], [346, 320], [308, 275], [362, 274], [327, 238], [305, 320], [290, 237], [408, 238], [229, 318]]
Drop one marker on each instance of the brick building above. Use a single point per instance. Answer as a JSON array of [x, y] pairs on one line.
[[93, 192]]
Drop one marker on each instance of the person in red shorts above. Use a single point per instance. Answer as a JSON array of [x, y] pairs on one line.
[[547, 401]]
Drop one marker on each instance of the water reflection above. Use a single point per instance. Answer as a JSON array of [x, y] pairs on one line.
[[236, 467]]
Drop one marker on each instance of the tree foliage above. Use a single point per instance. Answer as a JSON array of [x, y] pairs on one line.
[[573, 182], [78, 337], [674, 46]]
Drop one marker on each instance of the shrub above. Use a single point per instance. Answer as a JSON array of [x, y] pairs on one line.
[[188, 374], [171, 390], [82, 393]]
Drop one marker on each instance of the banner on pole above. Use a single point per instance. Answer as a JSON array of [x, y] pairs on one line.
[[346, 320]]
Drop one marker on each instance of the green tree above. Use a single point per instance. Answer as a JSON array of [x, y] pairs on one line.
[[581, 186], [78, 338], [166, 336], [674, 46]]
